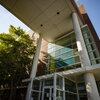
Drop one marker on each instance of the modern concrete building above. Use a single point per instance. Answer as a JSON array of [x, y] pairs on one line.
[[69, 67]]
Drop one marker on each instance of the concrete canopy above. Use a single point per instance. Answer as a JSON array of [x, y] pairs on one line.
[[50, 18]]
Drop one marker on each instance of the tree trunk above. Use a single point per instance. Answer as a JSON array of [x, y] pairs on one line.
[[12, 91]]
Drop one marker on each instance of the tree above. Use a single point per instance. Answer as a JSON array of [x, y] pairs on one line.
[[16, 55]]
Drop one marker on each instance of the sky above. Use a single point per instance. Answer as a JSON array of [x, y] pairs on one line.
[[7, 19], [92, 7]]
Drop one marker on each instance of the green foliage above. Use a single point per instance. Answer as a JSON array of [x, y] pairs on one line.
[[16, 55]]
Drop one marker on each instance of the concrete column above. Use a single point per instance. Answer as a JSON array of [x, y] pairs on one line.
[[80, 42], [34, 69], [91, 87]]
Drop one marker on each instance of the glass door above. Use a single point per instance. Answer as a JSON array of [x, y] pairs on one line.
[[47, 93]]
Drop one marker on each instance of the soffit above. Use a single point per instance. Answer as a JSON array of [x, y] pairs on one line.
[[41, 16], [78, 73]]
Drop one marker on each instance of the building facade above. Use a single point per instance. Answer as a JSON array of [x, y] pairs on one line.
[[65, 77], [65, 72], [69, 60]]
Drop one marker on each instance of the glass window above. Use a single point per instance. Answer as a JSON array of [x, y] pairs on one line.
[[95, 54], [89, 48], [64, 56], [93, 46], [83, 97], [70, 96], [87, 41], [91, 55], [98, 61], [90, 45], [58, 52], [59, 82], [48, 82], [70, 86], [36, 85], [98, 85], [59, 95], [35, 95], [62, 53], [69, 48], [85, 35], [69, 54], [52, 54], [93, 62], [81, 88], [59, 63], [63, 50], [69, 61]]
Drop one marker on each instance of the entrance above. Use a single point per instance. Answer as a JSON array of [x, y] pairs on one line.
[[46, 89], [47, 93]]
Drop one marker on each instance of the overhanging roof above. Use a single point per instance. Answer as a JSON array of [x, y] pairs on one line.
[[50, 18]]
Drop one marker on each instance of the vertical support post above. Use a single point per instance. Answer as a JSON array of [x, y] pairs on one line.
[[40, 87], [43, 90], [63, 88], [77, 91], [91, 87], [80, 42], [34, 69], [54, 89]]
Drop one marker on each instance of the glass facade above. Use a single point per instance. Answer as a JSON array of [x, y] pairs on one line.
[[70, 86], [65, 88], [91, 46], [37, 90], [63, 54], [43, 89], [70, 90], [48, 82]]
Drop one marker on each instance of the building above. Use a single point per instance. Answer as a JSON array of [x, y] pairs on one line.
[[69, 67]]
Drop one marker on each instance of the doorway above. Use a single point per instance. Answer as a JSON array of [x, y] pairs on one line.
[[47, 93]]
